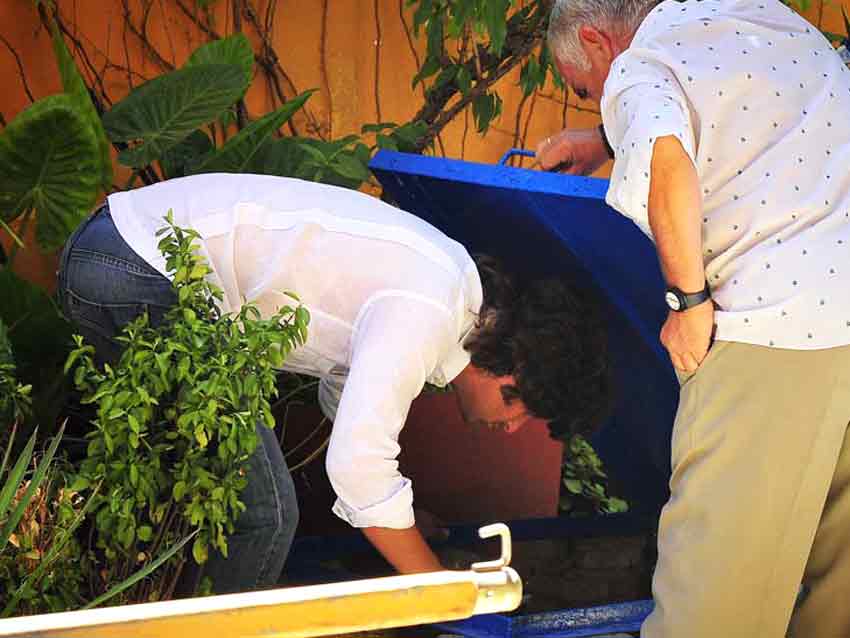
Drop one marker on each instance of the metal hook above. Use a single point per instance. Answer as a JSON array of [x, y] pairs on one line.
[[490, 531]]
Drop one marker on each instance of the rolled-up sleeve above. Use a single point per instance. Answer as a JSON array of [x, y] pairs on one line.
[[397, 343], [643, 101]]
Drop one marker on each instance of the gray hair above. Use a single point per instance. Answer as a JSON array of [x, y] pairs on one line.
[[619, 16]]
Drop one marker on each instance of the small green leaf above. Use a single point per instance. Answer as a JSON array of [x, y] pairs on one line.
[[80, 483], [573, 485], [179, 490], [145, 533], [201, 436], [199, 550], [349, 166]]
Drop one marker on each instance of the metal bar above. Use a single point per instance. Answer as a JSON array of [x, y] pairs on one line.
[[299, 612], [514, 151]]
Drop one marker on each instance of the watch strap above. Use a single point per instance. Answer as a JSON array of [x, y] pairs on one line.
[[690, 299]]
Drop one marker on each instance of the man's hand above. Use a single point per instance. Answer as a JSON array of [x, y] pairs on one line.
[[574, 151], [687, 336]]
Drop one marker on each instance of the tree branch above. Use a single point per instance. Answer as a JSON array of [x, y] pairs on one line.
[[522, 38], [323, 65], [377, 6], [269, 61], [20, 67], [146, 45], [241, 117]]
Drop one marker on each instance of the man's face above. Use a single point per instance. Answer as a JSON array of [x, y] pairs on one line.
[[600, 50], [482, 405], [587, 85]]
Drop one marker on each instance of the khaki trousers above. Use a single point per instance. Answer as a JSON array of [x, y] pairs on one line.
[[760, 499]]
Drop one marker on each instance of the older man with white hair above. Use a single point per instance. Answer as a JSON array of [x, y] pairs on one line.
[[727, 121]]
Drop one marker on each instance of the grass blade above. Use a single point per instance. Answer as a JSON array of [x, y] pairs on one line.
[[8, 452], [16, 476], [37, 478], [142, 573], [48, 559]]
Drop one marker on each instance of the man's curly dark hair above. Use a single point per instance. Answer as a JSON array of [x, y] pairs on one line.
[[550, 336]]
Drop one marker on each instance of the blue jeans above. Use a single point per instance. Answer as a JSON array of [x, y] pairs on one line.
[[103, 285]]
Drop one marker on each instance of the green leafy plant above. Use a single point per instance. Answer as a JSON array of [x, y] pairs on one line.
[[43, 565], [176, 419], [15, 400], [584, 482], [23, 513], [471, 45], [173, 121]]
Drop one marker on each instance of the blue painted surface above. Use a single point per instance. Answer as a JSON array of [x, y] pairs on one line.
[[573, 623], [593, 621], [544, 224], [309, 551], [513, 152]]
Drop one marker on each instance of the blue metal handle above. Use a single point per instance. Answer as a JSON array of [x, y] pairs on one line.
[[515, 151]]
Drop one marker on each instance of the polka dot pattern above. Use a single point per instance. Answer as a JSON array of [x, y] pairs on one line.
[[771, 152]]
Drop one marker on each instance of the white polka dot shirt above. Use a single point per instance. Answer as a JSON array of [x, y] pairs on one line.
[[761, 103]]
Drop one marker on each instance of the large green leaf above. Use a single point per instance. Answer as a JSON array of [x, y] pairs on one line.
[[36, 329], [163, 112], [179, 160], [74, 86], [41, 340], [235, 156], [281, 157], [49, 164], [233, 50], [6, 357]]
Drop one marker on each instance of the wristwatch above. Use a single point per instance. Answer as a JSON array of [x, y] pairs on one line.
[[679, 301]]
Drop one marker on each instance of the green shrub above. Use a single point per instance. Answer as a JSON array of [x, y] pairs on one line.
[[176, 419], [14, 396], [43, 566], [584, 487]]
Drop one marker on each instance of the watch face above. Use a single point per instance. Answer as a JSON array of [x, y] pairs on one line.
[[672, 300]]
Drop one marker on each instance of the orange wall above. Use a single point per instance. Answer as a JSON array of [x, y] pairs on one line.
[[339, 59]]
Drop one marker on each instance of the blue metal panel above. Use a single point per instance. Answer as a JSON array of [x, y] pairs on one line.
[[543, 224], [576, 623], [573, 623], [308, 552]]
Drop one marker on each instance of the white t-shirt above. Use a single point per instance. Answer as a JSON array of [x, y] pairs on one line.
[[760, 102], [391, 300]]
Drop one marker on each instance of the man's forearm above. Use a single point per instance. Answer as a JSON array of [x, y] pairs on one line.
[[675, 215], [404, 549]]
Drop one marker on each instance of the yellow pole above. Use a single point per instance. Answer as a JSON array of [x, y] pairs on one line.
[[300, 612]]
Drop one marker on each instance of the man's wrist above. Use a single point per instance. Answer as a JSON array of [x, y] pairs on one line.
[[680, 301]]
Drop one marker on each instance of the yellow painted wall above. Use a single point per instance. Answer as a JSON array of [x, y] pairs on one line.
[[332, 45]]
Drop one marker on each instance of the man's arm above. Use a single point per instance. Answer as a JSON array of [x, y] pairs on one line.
[[398, 342], [675, 217], [404, 549], [574, 151]]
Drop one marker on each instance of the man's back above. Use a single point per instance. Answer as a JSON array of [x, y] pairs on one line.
[[339, 250], [758, 99]]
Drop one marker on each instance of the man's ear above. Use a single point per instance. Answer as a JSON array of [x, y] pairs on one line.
[[596, 44]]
